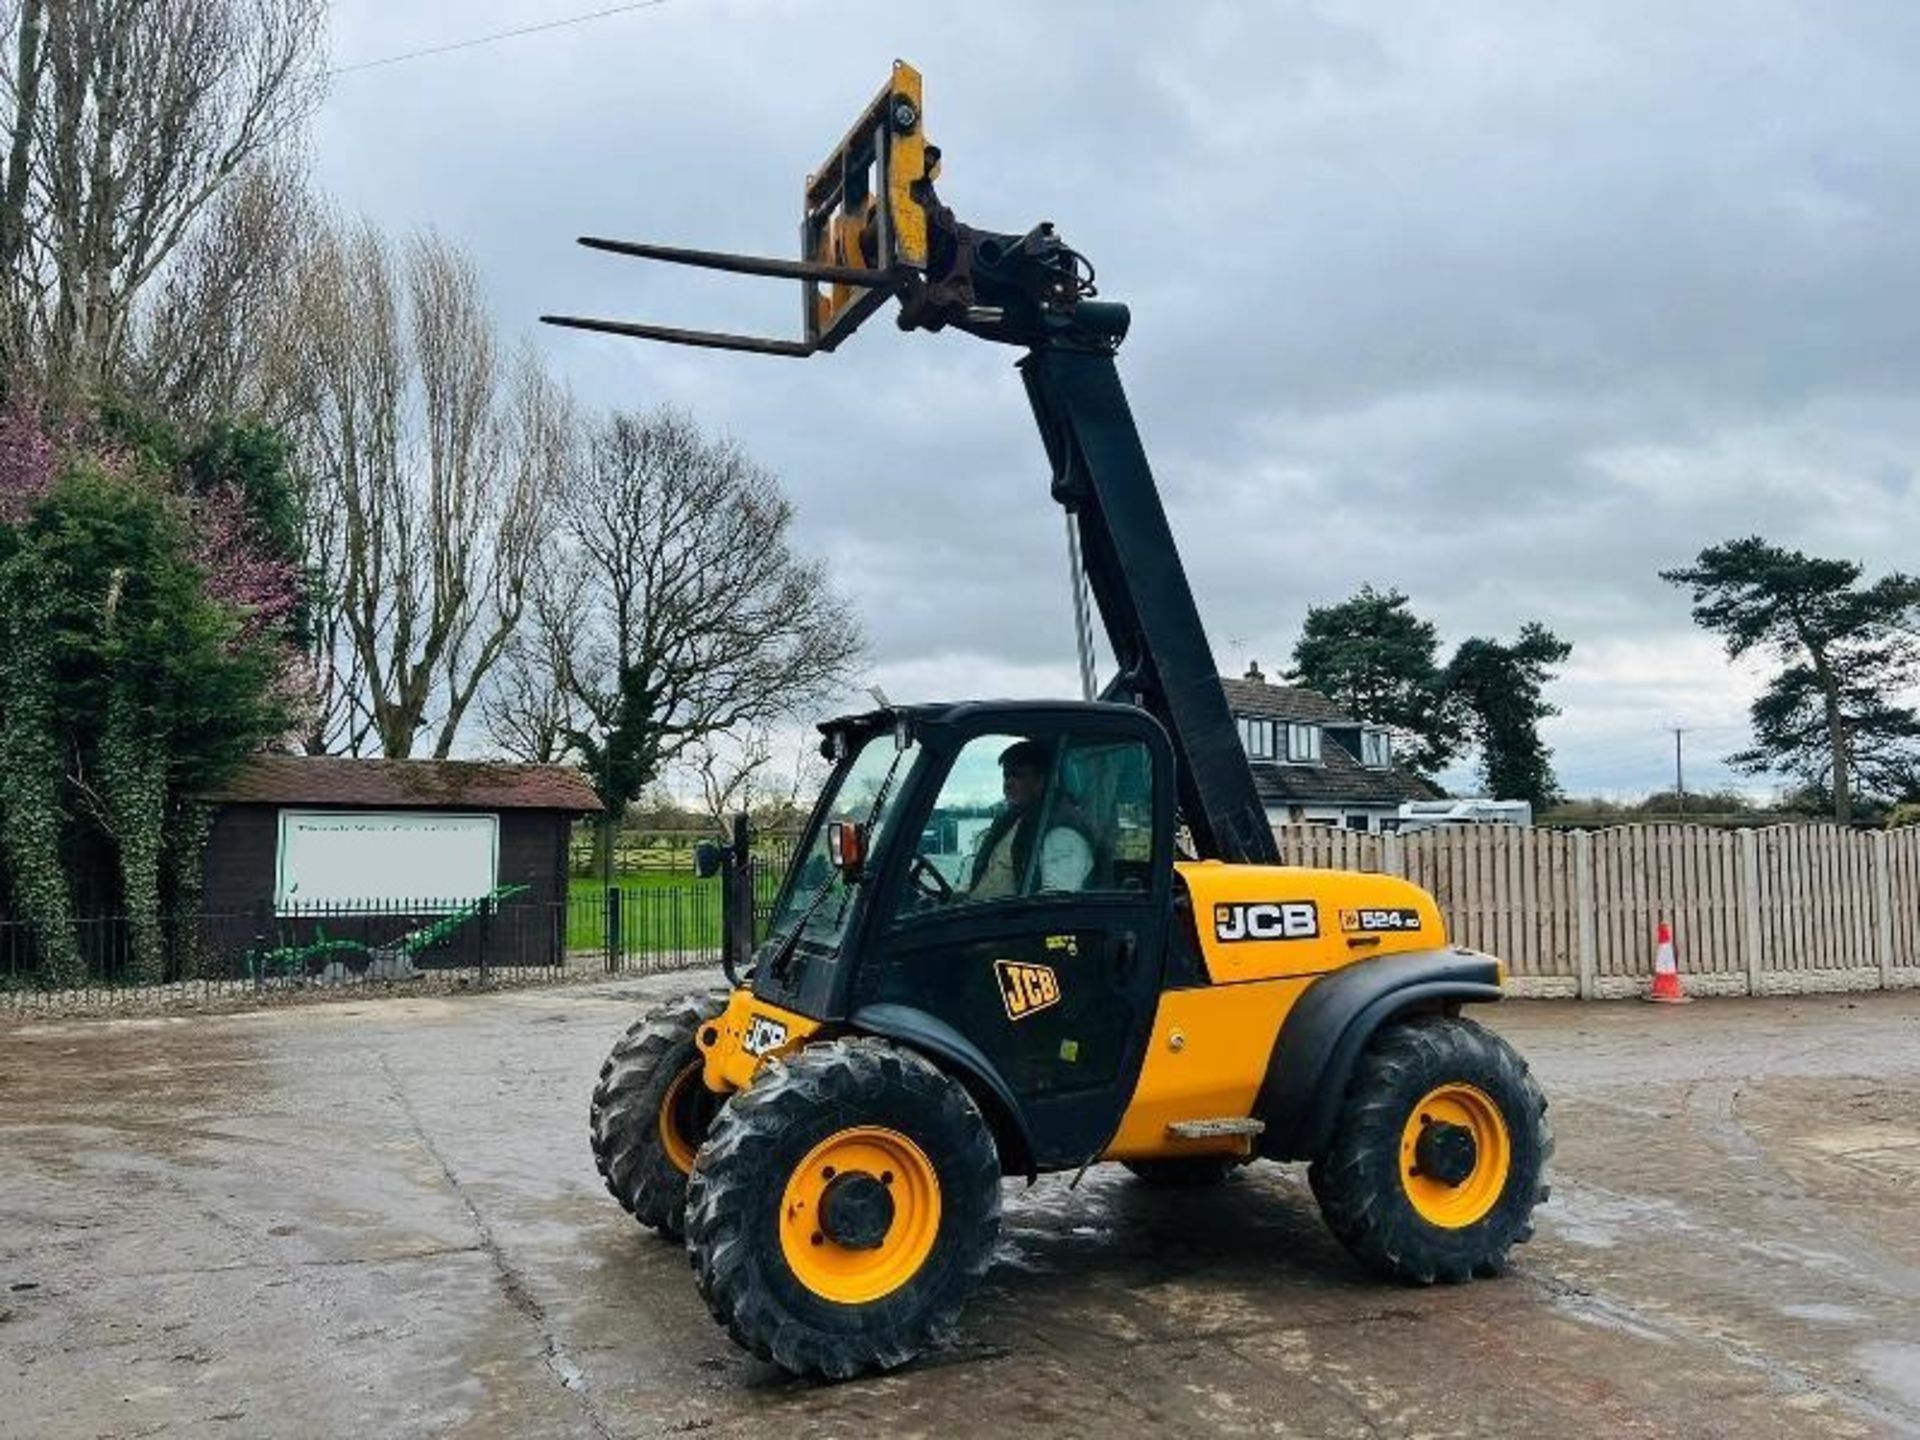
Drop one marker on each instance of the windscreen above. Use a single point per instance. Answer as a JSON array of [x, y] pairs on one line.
[[865, 789]]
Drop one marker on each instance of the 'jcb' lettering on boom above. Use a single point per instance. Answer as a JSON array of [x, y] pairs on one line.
[[1267, 920]]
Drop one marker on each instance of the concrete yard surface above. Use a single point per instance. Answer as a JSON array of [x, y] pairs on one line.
[[380, 1218]]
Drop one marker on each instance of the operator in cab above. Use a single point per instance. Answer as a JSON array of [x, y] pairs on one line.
[[1005, 855]]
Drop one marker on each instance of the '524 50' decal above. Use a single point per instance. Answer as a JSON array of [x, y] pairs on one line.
[[1395, 918]]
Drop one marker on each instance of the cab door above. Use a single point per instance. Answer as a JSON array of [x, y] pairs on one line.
[[1031, 917]]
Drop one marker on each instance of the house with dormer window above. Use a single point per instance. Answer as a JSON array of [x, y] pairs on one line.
[[1314, 763]]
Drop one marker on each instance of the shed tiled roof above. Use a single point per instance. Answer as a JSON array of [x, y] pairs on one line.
[[405, 784]]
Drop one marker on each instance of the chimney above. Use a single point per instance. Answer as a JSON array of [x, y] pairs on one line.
[[1253, 673]]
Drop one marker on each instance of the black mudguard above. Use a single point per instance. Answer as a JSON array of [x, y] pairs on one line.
[[1324, 1033], [953, 1052]]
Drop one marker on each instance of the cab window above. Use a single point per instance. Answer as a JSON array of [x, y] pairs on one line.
[[1021, 815]]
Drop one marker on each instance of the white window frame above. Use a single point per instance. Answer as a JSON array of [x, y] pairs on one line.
[[1376, 749], [1256, 737], [1303, 744]]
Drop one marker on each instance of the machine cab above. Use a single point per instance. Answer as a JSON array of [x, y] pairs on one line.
[[1010, 896]]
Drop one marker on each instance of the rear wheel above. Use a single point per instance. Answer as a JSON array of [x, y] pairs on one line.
[[1440, 1153], [843, 1208], [651, 1111]]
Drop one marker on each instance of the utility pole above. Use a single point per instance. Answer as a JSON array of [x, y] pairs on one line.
[[1679, 774]]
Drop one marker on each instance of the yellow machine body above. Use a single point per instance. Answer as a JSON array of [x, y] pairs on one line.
[[736, 1043], [1210, 1044]]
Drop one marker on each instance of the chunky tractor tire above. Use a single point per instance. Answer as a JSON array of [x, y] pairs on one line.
[[1440, 1153], [1187, 1172], [843, 1208], [650, 1112]]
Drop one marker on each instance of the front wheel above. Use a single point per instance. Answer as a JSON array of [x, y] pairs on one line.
[[843, 1208], [1440, 1153], [651, 1110]]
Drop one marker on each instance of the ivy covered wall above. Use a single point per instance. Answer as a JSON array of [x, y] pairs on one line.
[[149, 608]]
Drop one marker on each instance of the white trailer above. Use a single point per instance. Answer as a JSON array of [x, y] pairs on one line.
[[1473, 810]]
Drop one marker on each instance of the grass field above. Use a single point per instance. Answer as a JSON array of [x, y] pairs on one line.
[[659, 913]]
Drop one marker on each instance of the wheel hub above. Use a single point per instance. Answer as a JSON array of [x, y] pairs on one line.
[[1445, 1152], [686, 1110], [1456, 1155], [860, 1214], [856, 1211]]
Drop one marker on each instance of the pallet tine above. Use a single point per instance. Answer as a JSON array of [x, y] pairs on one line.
[[702, 339]]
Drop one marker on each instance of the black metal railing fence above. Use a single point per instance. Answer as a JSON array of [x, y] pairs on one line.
[[642, 923]]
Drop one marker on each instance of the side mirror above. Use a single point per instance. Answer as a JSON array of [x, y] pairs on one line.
[[709, 859], [847, 847]]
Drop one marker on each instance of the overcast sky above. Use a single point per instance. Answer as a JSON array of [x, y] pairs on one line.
[[1507, 305]]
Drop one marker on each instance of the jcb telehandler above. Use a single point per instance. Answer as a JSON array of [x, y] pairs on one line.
[[1024, 937]]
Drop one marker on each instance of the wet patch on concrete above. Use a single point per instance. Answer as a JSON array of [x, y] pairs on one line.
[[1895, 1365], [1820, 1313]]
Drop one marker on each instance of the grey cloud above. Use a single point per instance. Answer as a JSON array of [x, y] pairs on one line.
[[1509, 305]]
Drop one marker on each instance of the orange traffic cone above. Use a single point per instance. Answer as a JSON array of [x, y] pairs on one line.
[[1666, 974]]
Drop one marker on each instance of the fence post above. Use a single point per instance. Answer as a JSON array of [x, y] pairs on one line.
[[1586, 914], [1883, 905], [612, 937], [260, 946], [1390, 858], [1750, 906], [486, 935]]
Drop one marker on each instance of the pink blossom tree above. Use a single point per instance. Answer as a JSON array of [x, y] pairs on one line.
[[28, 453], [241, 571]]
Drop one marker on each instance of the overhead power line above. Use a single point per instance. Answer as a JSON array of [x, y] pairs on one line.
[[498, 35]]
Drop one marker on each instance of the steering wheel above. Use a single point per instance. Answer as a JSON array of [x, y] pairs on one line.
[[928, 880]]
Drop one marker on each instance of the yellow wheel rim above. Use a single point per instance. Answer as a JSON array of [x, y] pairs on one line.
[[855, 1276], [1449, 1198], [674, 1106]]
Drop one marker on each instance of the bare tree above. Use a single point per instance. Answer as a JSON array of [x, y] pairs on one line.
[[196, 350], [740, 772], [535, 434], [700, 617], [528, 710], [126, 118], [340, 378], [429, 479], [26, 29]]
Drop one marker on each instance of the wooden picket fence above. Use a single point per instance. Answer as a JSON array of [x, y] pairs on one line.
[[1788, 909]]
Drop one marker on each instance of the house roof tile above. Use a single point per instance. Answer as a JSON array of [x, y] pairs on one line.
[[1283, 702], [1339, 778]]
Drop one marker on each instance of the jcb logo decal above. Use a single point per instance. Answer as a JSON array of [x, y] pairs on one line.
[[1267, 920], [763, 1034], [1026, 989]]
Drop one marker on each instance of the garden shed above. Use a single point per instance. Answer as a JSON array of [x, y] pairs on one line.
[[431, 858]]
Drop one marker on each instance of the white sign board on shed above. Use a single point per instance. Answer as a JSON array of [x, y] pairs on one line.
[[360, 859]]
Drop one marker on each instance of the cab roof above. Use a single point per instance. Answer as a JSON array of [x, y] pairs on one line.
[[941, 713]]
